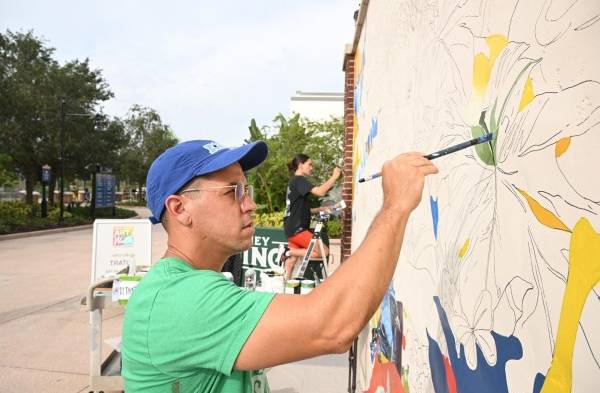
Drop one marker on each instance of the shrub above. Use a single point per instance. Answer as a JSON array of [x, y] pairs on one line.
[[269, 220], [275, 220], [16, 216], [14, 213], [334, 228]]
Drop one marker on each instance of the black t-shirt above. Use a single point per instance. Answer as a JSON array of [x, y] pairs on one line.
[[297, 209]]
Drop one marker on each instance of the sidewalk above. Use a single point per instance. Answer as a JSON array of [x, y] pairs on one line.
[[44, 331]]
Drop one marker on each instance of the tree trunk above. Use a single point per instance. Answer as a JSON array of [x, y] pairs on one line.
[[29, 183]]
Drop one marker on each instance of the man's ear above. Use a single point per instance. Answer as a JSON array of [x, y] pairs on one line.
[[175, 205]]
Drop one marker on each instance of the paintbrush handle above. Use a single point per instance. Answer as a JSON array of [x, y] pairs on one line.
[[441, 153]]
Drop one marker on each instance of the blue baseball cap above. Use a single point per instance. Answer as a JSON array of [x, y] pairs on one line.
[[181, 163]]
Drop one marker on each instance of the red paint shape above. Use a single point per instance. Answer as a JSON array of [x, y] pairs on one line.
[[450, 378], [386, 376]]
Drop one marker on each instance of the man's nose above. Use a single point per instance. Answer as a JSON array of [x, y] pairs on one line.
[[248, 204]]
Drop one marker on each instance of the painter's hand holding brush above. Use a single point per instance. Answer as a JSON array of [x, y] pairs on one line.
[[348, 299], [403, 180]]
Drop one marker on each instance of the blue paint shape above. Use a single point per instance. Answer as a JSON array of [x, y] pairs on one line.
[[484, 378], [538, 383], [436, 364], [372, 133], [434, 214], [357, 94], [367, 148]]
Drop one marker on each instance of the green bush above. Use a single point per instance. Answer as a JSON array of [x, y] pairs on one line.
[[131, 202], [269, 220], [16, 216], [14, 213], [334, 228], [275, 220]]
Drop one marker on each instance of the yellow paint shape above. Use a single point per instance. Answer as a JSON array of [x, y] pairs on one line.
[[527, 95], [543, 215], [357, 63], [464, 248], [561, 146], [383, 359], [584, 274], [482, 65], [375, 318]]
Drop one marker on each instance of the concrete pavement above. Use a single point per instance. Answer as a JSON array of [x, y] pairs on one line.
[[44, 331]]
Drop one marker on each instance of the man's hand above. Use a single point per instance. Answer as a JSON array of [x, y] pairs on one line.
[[403, 180]]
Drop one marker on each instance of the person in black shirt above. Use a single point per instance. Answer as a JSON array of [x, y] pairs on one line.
[[296, 220]]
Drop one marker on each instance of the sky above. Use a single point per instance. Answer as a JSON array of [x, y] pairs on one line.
[[207, 67]]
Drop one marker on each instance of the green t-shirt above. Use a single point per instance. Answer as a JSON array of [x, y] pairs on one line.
[[184, 329]]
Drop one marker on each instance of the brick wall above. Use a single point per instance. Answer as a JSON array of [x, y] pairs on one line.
[[346, 244]]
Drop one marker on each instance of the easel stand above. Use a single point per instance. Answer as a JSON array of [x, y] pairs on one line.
[[300, 268]]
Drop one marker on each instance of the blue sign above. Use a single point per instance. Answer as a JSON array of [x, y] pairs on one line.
[[46, 174], [105, 190]]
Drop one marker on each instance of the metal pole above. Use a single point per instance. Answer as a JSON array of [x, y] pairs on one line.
[[62, 161], [93, 207], [44, 203]]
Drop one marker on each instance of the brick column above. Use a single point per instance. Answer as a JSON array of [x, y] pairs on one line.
[[347, 181]]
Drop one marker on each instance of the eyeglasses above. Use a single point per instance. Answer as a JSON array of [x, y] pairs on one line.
[[241, 190]]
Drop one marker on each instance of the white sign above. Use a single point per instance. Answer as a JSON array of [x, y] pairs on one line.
[[120, 246], [123, 288]]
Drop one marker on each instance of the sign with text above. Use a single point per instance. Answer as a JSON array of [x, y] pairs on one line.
[[120, 246], [265, 244], [105, 190]]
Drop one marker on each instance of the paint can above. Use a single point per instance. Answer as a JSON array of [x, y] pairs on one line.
[[292, 286], [306, 286]]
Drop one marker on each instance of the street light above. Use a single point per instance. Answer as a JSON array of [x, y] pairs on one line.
[[63, 116]]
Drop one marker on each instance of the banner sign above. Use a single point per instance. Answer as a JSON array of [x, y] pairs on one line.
[[264, 251]]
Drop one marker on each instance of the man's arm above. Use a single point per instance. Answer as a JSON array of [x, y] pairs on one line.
[[328, 319]]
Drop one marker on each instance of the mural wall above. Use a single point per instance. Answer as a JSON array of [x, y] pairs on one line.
[[497, 287]]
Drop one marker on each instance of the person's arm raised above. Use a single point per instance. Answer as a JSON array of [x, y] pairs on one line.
[[328, 319], [322, 189]]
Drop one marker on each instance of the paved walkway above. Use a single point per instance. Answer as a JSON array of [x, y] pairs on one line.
[[44, 332]]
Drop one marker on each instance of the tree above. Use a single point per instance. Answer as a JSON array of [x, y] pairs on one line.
[[32, 86], [24, 88], [148, 138], [322, 141], [7, 174]]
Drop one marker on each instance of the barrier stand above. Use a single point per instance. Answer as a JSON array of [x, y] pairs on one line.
[[104, 375]]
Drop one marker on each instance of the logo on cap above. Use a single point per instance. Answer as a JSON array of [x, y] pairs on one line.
[[213, 147]]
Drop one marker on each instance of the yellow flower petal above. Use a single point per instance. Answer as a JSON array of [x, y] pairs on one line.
[[482, 65], [527, 96], [464, 248], [544, 215], [584, 274], [561, 146]]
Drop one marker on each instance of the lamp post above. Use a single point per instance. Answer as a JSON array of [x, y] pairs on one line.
[[63, 117], [45, 179]]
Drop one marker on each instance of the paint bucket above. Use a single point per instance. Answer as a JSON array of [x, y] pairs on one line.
[[278, 284], [292, 286], [306, 286]]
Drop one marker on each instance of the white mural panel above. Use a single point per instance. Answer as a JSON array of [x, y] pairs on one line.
[[496, 288]]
